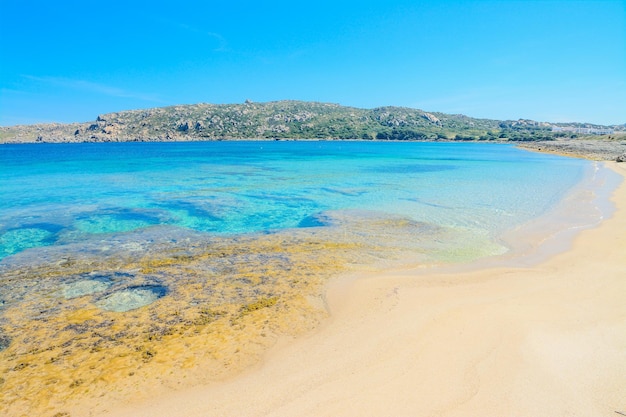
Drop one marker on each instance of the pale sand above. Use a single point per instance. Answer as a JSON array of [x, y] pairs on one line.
[[546, 340]]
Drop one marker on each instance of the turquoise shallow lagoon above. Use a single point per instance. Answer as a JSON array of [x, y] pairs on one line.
[[54, 195], [121, 262]]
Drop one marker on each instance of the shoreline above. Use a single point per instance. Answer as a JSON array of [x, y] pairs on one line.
[[492, 340], [204, 333]]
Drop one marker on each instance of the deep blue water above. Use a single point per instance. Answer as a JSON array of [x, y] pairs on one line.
[[61, 194]]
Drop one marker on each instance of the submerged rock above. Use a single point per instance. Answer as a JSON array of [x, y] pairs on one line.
[[132, 298], [316, 220], [85, 287]]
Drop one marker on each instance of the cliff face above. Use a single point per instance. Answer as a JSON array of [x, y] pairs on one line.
[[276, 120]]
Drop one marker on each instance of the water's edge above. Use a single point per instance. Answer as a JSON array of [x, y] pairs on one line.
[[108, 311]]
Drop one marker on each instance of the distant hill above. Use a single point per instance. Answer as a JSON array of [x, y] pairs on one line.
[[284, 120]]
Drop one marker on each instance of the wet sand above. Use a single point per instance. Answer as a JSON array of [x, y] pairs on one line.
[[542, 340]]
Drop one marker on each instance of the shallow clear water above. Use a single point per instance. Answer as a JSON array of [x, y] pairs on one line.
[[62, 194], [202, 254]]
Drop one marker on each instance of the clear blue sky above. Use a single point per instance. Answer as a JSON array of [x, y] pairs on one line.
[[543, 60]]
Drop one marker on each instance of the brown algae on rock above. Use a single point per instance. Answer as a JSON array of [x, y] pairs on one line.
[[131, 298], [110, 327]]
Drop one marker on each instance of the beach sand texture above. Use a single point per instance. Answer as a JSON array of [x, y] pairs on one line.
[[544, 340]]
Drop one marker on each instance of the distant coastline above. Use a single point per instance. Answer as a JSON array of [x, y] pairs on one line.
[[298, 120]]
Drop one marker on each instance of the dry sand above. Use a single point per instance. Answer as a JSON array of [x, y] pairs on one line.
[[545, 340]]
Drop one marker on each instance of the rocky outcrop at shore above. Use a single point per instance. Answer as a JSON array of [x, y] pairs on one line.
[[597, 150]]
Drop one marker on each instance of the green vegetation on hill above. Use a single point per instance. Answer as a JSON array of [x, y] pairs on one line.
[[279, 120]]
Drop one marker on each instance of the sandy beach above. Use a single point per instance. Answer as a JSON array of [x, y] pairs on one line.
[[272, 209], [544, 340]]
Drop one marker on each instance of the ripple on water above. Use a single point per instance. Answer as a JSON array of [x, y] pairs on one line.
[[16, 240], [131, 298], [119, 220]]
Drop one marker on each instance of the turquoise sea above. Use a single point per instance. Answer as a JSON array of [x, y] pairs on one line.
[[55, 195], [202, 255]]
